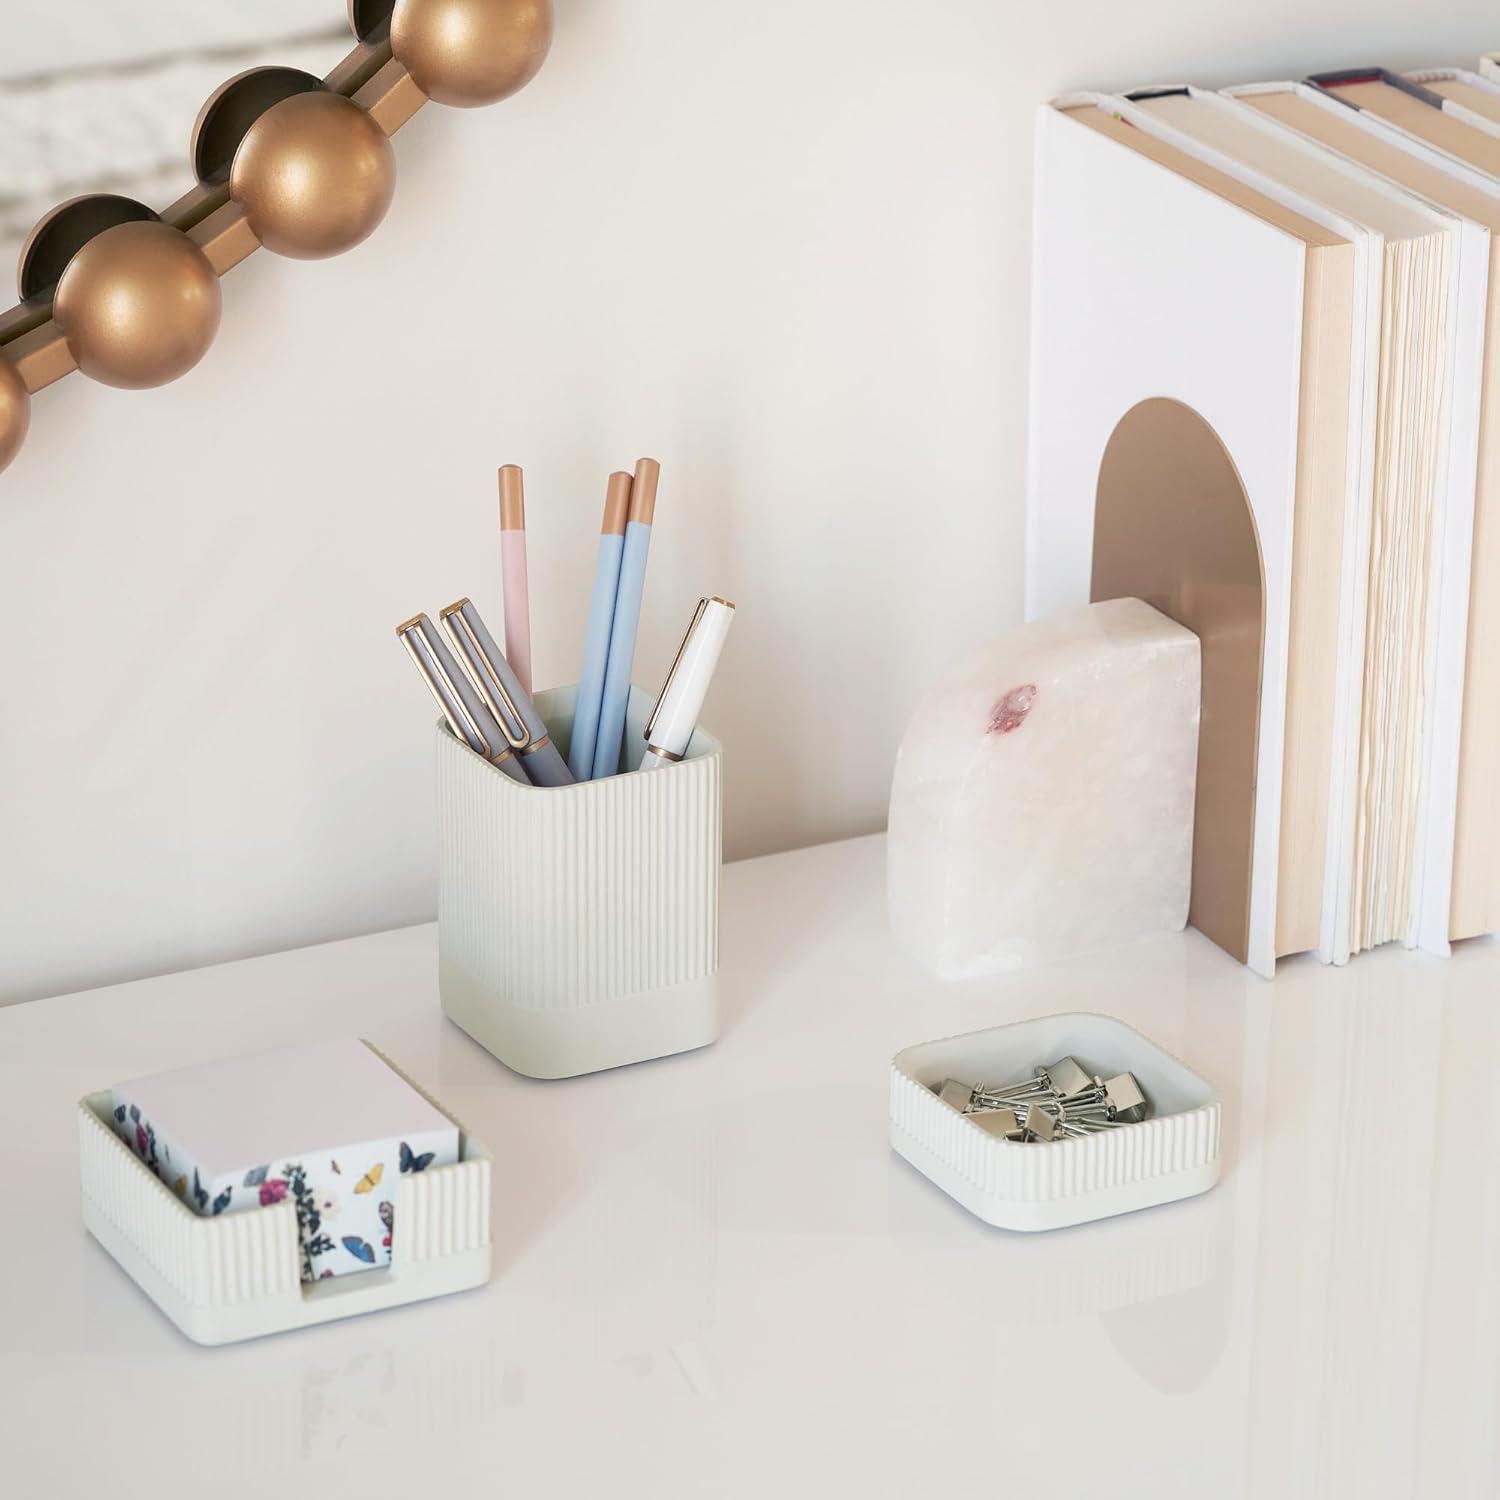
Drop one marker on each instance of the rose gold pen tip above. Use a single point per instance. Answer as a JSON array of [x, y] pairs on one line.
[[616, 504], [512, 499], [643, 490]]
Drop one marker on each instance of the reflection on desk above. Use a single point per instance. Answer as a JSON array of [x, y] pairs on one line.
[[711, 1271]]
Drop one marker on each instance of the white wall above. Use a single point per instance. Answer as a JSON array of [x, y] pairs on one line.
[[783, 247]]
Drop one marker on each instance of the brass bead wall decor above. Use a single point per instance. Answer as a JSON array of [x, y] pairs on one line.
[[138, 305], [314, 175], [299, 165], [15, 411], [470, 52]]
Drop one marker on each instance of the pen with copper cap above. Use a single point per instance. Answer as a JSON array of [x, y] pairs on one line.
[[627, 617], [670, 727], [467, 715], [601, 617], [517, 618], [508, 701]]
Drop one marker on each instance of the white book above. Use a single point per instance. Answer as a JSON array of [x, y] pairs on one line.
[[1312, 663], [1473, 199], [1149, 284], [1391, 833], [1469, 159]]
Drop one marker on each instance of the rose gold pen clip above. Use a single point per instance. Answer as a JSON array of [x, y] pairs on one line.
[[687, 635], [468, 717], [505, 696], [486, 678]]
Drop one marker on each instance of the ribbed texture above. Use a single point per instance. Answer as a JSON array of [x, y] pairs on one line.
[[1040, 1173], [210, 1262], [555, 898], [240, 1257], [443, 1212]]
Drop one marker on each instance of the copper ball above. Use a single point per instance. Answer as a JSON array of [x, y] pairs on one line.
[[471, 52], [15, 411], [138, 305], [314, 175]]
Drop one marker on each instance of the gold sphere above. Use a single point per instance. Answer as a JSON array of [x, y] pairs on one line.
[[314, 175], [471, 52], [15, 411], [138, 305]]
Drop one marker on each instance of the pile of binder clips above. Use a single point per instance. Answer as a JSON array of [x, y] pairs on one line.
[[1058, 1102]]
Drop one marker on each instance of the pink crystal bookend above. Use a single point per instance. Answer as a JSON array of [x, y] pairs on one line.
[[1043, 797]]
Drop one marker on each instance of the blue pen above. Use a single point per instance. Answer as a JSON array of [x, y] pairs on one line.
[[627, 617], [601, 620]]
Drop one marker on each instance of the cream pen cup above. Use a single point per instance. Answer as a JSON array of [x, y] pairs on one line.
[[578, 926]]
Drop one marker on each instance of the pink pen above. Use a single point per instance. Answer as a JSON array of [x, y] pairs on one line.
[[517, 616]]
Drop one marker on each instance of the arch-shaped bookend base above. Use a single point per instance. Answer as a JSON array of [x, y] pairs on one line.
[[1173, 526]]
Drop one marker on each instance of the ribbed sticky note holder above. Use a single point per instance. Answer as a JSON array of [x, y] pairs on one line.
[[1046, 1185], [578, 926], [237, 1276]]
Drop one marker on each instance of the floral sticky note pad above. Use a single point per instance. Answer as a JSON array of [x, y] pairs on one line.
[[327, 1126]]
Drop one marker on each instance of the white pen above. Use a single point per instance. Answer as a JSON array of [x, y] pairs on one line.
[[675, 716]]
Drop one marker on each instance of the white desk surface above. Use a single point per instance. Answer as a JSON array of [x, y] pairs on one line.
[[713, 1277]]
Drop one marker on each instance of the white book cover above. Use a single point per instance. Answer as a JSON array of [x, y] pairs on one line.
[[1369, 245], [1146, 284]]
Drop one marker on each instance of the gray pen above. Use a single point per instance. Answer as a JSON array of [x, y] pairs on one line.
[[508, 701], [467, 715]]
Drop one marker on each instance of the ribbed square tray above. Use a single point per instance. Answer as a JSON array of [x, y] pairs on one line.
[[1174, 1154], [237, 1276]]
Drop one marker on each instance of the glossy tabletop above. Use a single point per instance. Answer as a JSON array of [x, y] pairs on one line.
[[713, 1277]]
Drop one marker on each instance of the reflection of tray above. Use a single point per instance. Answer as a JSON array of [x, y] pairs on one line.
[[1175, 1154], [237, 1276]]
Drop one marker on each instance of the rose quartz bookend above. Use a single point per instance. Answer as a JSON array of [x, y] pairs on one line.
[[1043, 796]]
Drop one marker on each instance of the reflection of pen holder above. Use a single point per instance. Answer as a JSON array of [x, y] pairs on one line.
[[578, 926]]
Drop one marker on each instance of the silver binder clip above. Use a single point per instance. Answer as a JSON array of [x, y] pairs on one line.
[[1126, 1099], [956, 1095], [1059, 1102]]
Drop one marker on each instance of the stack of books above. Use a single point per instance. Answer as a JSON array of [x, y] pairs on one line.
[[1301, 281]]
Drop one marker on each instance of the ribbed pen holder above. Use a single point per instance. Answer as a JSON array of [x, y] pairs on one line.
[[578, 926], [1046, 1185], [237, 1276]]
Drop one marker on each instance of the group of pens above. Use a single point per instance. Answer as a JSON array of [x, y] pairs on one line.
[[1059, 1102], [485, 693]]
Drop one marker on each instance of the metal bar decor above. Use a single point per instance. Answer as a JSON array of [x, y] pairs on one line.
[[299, 165]]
